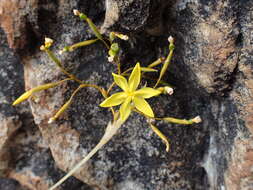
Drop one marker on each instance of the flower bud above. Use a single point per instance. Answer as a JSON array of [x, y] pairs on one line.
[[42, 48], [197, 119], [110, 59], [171, 39], [168, 90], [76, 12]]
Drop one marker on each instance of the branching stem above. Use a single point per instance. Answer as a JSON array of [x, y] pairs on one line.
[[59, 64]]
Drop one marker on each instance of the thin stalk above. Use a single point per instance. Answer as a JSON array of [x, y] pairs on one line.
[[81, 44], [109, 133], [110, 87], [165, 66], [102, 91], [59, 64], [118, 65], [157, 62], [96, 31]]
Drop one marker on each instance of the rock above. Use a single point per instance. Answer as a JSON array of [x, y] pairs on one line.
[[8, 184], [18, 19], [23, 154], [211, 73]]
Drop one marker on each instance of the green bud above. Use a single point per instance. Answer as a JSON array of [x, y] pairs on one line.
[[112, 53], [112, 36], [115, 47]]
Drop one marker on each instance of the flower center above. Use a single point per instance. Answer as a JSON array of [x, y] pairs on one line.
[[130, 94]]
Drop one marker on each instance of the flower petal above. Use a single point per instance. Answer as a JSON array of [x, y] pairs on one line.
[[120, 81], [147, 92], [114, 100], [135, 78], [125, 109], [143, 106]]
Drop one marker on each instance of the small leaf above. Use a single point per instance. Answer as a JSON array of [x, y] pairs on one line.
[[143, 106], [114, 100]]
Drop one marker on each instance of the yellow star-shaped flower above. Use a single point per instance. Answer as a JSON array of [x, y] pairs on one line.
[[130, 97]]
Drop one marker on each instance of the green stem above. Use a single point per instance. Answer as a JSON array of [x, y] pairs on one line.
[[157, 62], [81, 44], [110, 131], [59, 64], [165, 66], [96, 31]]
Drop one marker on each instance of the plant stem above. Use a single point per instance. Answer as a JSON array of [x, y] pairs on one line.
[[59, 64], [109, 133]]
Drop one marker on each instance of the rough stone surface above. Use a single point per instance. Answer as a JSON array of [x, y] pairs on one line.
[[211, 74], [24, 155]]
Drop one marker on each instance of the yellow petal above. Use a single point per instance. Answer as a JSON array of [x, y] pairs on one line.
[[114, 100], [125, 109], [147, 92], [162, 136], [135, 77], [143, 106], [121, 81]]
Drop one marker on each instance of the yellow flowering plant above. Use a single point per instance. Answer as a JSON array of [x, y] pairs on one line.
[[130, 99]]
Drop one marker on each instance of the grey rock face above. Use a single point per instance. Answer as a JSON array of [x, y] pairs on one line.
[[211, 74]]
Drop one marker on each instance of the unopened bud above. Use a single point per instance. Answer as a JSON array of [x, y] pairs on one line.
[[60, 52], [51, 120], [121, 36], [42, 48], [76, 12], [169, 90], [124, 37], [197, 119], [48, 41], [171, 39], [110, 59]]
